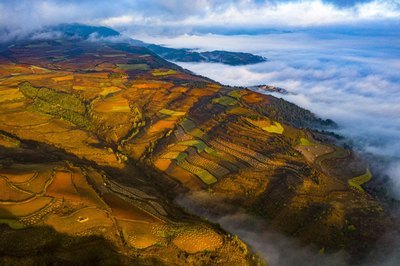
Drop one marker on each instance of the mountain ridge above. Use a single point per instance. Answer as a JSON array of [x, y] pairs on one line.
[[172, 54]]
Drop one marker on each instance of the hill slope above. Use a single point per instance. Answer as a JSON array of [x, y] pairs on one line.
[[173, 54], [97, 140]]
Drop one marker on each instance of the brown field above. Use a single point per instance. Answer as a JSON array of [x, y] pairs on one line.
[[193, 240], [11, 193], [79, 221], [23, 119], [240, 111], [162, 164], [63, 78], [313, 152], [10, 95], [124, 210], [10, 211], [62, 187], [186, 178], [18, 176], [252, 98], [179, 89], [140, 234], [200, 92], [161, 126], [38, 184], [95, 177], [96, 75], [152, 85], [112, 104], [109, 90], [87, 193], [136, 150]]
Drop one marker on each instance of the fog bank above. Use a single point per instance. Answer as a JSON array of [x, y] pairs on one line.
[[352, 79]]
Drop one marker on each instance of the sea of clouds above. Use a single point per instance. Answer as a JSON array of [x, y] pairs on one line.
[[351, 78]]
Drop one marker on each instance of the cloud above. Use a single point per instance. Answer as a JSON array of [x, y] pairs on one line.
[[155, 17], [352, 80], [274, 247]]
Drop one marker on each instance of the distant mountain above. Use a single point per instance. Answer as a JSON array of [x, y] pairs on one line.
[[224, 57], [85, 30], [172, 54]]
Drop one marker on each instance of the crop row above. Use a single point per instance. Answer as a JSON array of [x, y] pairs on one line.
[[203, 174], [245, 158], [258, 156], [211, 166]]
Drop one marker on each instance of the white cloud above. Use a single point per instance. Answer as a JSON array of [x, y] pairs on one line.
[[293, 13], [154, 17], [353, 81]]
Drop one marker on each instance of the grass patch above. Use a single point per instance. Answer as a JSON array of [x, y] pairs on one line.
[[143, 67], [237, 94], [109, 90], [356, 182], [275, 128], [203, 174], [178, 156], [171, 112], [199, 145], [240, 111], [13, 224], [10, 211], [188, 125], [59, 104], [225, 100], [305, 142], [190, 128], [266, 125], [159, 72]]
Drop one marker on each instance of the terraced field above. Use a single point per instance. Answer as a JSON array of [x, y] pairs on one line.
[[98, 140]]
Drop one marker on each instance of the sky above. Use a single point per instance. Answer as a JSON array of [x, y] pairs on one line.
[[174, 17]]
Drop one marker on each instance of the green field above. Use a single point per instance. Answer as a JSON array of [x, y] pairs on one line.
[[225, 100], [160, 73], [178, 156], [171, 112], [236, 94], [204, 175], [275, 128], [133, 66], [199, 145], [190, 128], [356, 182], [305, 142]]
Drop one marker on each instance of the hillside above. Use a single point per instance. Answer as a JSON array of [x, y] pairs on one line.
[[172, 54], [97, 140]]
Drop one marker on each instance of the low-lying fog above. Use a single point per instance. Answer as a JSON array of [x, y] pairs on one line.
[[351, 78]]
